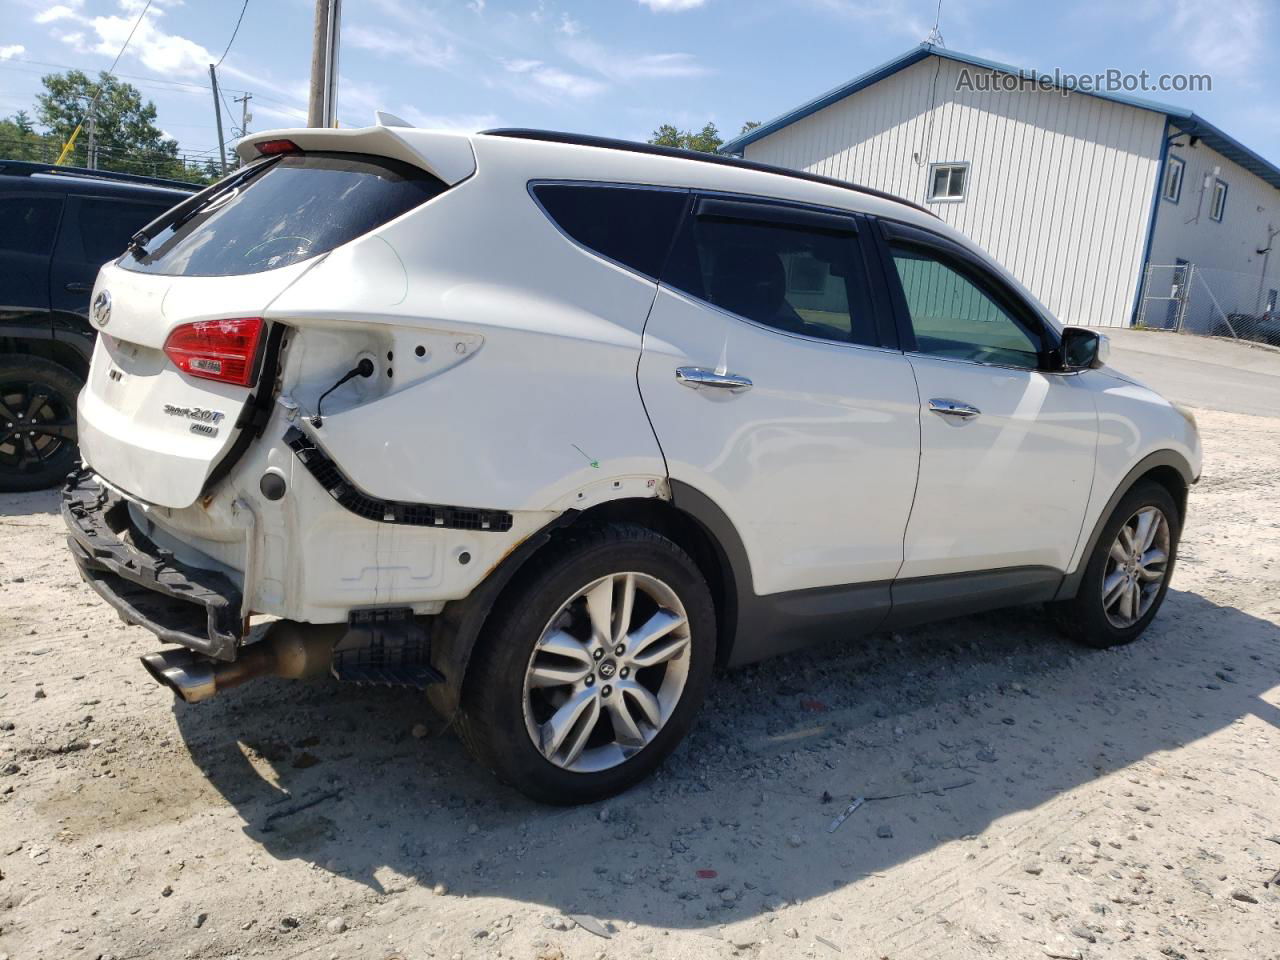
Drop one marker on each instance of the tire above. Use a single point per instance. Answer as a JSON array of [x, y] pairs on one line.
[[39, 456], [1088, 618], [509, 697]]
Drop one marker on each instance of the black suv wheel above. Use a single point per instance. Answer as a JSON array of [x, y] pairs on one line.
[[37, 422]]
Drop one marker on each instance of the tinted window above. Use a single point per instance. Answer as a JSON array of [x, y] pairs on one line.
[[107, 225], [795, 279], [632, 226], [952, 316], [28, 224], [298, 207]]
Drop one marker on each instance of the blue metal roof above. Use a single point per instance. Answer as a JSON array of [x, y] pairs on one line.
[[1184, 120]]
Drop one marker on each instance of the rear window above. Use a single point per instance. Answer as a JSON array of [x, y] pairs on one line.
[[632, 226], [298, 207]]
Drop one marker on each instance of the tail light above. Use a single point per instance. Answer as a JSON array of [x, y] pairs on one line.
[[269, 148], [222, 350]]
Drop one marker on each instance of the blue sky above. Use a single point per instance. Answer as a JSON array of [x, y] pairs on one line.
[[621, 67]]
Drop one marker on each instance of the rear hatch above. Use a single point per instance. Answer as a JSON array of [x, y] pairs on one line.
[[181, 341]]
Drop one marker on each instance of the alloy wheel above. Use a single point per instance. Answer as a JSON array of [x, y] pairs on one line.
[[607, 672], [35, 424], [1136, 567]]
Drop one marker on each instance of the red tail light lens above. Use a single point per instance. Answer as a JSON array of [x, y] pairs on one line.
[[222, 350]]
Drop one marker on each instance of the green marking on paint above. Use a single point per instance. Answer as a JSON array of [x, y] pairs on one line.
[[594, 463]]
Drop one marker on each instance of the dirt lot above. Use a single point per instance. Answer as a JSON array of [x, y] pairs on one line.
[[1110, 804]]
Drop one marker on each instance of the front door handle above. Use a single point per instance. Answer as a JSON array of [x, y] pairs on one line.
[[953, 408], [699, 377], [76, 286]]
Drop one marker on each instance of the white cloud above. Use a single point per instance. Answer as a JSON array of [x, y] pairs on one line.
[[569, 26], [546, 81], [462, 122], [672, 6], [1233, 40], [620, 66], [416, 47], [12, 50], [59, 11]]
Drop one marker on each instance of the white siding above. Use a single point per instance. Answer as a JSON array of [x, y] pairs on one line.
[[1224, 252], [1059, 188]]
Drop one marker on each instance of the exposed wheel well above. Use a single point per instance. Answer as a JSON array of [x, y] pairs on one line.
[[1169, 478]]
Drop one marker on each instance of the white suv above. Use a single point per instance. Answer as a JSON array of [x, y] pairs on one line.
[[550, 426]]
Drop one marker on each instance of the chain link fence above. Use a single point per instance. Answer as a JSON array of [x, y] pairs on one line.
[[1210, 302]]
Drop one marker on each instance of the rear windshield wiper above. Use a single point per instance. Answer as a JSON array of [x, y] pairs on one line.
[[188, 208]]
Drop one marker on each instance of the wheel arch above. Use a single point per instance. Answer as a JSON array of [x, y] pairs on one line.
[[689, 519], [1168, 468], [41, 341]]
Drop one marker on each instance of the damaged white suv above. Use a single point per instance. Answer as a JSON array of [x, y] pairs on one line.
[[550, 426]]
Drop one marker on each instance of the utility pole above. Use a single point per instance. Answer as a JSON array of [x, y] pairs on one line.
[[323, 100], [91, 149], [217, 112], [245, 116]]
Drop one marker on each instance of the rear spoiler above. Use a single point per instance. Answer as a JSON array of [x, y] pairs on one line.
[[446, 155]]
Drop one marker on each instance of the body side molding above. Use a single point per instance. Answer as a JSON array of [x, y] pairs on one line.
[[1161, 458]]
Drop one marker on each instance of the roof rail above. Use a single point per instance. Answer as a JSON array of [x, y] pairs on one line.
[[631, 146], [26, 168]]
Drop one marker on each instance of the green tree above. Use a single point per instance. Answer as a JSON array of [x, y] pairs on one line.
[[748, 126], [125, 131], [706, 140], [19, 140]]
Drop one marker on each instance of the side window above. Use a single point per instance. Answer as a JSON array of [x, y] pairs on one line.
[[107, 225], [953, 317], [28, 224], [794, 278], [632, 226]]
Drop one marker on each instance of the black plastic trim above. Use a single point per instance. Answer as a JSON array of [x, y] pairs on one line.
[[179, 603], [330, 476], [1161, 458], [925, 599], [256, 412], [770, 211]]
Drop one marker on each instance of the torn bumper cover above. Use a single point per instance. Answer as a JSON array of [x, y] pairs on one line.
[[147, 585]]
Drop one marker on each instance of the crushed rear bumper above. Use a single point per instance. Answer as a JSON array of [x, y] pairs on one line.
[[191, 606]]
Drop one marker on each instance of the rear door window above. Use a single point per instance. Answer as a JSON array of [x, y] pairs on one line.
[[298, 207], [106, 225], [632, 226], [796, 270], [28, 224]]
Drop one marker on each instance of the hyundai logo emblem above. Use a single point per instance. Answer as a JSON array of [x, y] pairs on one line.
[[102, 308]]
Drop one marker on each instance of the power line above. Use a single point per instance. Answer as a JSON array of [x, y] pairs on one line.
[[243, 7]]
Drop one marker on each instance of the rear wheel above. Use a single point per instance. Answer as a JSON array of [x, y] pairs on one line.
[[591, 670], [1128, 573], [37, 422]]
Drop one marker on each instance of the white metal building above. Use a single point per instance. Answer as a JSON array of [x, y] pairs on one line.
[[1073, 192]]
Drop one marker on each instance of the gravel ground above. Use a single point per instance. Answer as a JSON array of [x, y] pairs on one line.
[[1052, 801]]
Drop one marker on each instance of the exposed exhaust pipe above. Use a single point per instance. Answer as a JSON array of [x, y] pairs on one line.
[[292, 650]]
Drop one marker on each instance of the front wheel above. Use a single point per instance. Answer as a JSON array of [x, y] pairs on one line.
[[1128, 573], [593, 666]]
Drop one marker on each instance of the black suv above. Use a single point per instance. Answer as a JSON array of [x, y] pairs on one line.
[[58, 225]]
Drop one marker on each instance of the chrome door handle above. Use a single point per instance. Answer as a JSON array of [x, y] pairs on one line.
[[953, 408], [699, 377]]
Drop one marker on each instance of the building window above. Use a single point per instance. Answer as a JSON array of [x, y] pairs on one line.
[[1218, 205], [947, 181], [1173, 178]]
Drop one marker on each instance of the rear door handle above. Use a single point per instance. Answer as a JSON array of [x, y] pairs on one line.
[[953, 408], [699, 377], [75, 286]]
